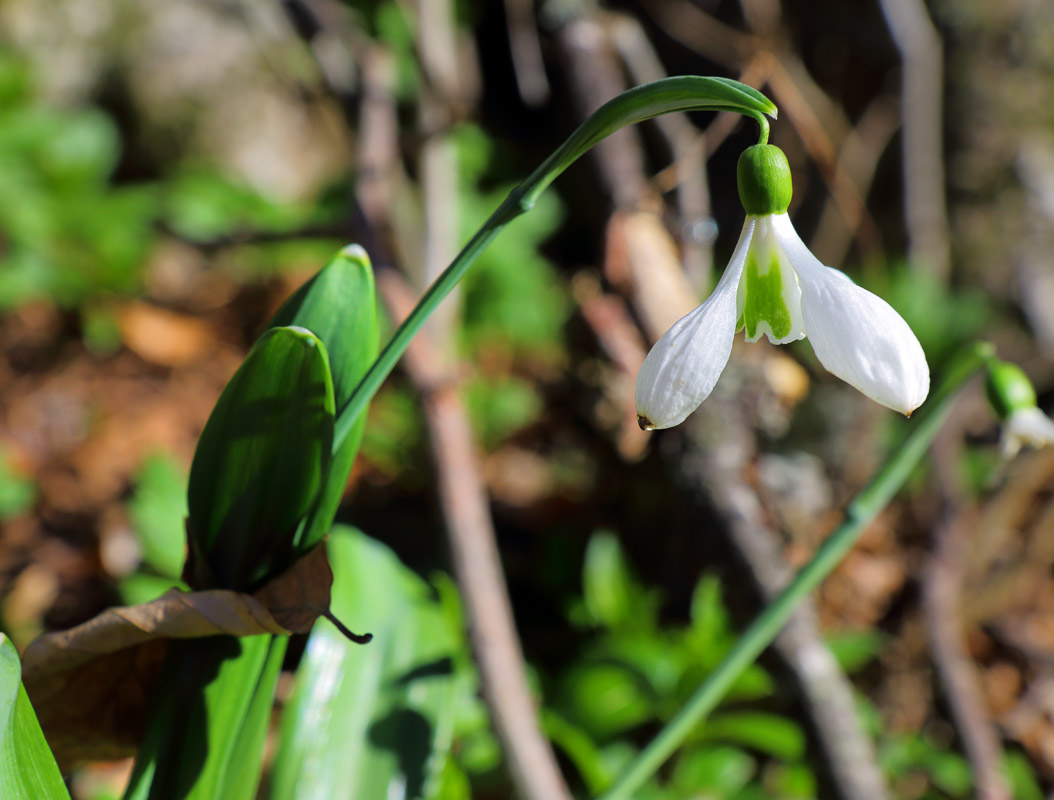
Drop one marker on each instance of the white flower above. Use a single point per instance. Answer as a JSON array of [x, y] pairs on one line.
[[775, 286], [1026, 426]]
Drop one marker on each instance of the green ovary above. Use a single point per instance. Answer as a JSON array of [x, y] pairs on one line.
[[763, 298]]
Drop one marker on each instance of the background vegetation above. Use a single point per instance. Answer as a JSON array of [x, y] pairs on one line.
[[171, 172]]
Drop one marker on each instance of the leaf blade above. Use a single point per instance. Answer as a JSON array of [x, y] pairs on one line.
[[27, 768]]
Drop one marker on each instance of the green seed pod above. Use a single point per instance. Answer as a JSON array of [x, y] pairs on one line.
[[764, 179], [1008, 389]]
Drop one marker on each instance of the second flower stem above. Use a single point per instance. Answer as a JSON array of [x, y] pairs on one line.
[[861, 511]]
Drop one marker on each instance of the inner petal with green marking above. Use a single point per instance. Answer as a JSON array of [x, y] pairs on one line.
[[769, 298]]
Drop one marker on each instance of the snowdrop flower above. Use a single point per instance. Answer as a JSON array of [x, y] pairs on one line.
[[776, 287], [1014, 399]]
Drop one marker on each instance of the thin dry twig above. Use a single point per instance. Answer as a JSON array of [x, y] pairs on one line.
[[718, 463], [858, 157], [826, 692], [596, 78], [477, 565], [820, 123], [526, 52], [688, 147], [941, 585], [926, 214]]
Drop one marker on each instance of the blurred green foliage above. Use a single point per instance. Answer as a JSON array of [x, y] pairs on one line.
[[156, 510], [635, 673], [68, 232], [17, 493]]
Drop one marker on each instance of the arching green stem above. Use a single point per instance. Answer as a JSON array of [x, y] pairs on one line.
[[684, 93]]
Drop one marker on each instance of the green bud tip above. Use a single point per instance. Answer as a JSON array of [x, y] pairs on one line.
[[764, 179], [1008, 389]]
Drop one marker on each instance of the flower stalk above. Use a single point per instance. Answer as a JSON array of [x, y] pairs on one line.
[[682, 93]]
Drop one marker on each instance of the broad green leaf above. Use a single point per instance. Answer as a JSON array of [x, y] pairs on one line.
[[767, 733], [339, 306], [375, 720], [720, 771], [207, 725], [27, 768], [261, 461], [606, 698]]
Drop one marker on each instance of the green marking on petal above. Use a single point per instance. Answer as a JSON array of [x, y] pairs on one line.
[[763, 298]]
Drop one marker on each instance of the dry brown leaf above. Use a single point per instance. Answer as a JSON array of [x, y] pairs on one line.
[[91, 685], [163, 337]]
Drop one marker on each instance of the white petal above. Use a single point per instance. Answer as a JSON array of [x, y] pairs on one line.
[[684, 365], [856, 334], [1027, 426]]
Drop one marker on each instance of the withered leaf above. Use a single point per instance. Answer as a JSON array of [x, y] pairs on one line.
[[91, 685]]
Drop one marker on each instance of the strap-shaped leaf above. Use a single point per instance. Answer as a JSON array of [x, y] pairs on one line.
[[208, 721], [373, 721], [261, 462], [27, 769], [338, 305]]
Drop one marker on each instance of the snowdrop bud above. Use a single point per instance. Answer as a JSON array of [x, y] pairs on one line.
[[1009, 389], [764, 179]]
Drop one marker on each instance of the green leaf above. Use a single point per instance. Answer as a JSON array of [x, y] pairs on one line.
[[1023, 782], [580, 748], [261, 461], [27, 768], [718, 770], [338, 305], [606, 698], [853, 650], [17, 493], [157, 510], [613, 598], [375, 720], [768, 733], [710, 627], [209, 719]]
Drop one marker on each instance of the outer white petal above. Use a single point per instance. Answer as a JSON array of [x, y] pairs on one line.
[[856, 334], [684, 365], [1027, 426]]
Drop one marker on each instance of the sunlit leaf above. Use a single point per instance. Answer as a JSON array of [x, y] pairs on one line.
[[370, 720], [261, 461], [208, 723], [27, 769], [339, 306]]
